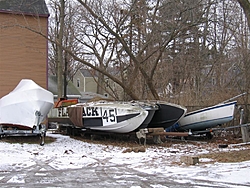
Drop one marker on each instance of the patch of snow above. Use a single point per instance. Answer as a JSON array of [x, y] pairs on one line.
[[205, 160], [16, 179]]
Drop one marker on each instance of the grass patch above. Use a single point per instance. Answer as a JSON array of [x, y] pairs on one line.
[[229, 157]]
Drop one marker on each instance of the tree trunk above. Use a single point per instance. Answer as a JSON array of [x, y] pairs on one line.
[[60, 52]]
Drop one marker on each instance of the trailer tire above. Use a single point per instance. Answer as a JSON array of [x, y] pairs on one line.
[[209, 135]]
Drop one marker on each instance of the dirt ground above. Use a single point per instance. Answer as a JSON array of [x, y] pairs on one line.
[[218, 141]]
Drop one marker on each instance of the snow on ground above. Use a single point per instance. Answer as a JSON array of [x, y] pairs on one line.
[[68, 153]]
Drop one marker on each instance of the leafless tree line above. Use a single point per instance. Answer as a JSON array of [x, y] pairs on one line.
[[188, 52]]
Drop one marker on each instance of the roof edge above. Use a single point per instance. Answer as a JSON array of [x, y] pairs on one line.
[[24, 13]]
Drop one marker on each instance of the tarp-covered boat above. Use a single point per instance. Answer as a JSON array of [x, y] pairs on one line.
[[109, 116], [206, 118], [26, 106]]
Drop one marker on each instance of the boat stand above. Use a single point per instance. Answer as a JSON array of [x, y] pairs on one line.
[[156, 133]]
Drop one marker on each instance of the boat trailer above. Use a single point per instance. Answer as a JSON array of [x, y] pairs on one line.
[[34, 132], [38, 130]]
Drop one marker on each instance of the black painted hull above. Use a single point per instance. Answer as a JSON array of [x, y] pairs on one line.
[[167, 115]]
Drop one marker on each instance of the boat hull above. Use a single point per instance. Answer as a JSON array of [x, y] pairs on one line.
[[207, 118], [167, 115], [116, 117], [151, 108], [26, 106]]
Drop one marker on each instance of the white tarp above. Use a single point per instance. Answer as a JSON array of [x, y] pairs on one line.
[[19, 107]]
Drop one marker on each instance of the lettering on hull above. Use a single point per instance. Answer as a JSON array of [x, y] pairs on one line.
[[108, 115]]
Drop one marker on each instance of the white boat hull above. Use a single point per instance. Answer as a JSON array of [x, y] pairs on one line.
[[207, 118], [116, 117], [26, 106]]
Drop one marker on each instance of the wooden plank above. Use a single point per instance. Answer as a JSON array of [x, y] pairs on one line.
[[153, 130], [169, 133]]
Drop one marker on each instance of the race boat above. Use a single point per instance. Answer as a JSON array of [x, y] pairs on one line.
[[206, 118], [167, 114], [151, 107], [26, 106], [109, 116]]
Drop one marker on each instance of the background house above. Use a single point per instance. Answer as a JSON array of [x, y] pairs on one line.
[[23, 53], [72, 91], [112, 89], [85, 81]]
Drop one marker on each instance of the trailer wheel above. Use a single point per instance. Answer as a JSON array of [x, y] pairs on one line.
[[209, 135]]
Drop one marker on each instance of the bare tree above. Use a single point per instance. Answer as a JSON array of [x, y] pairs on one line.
[[60, 50], [149, 40], [171, 48], [63, 21]]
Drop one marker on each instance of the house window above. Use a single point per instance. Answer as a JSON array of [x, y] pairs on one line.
[[107, 82], [213, 81], [78, 82]]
